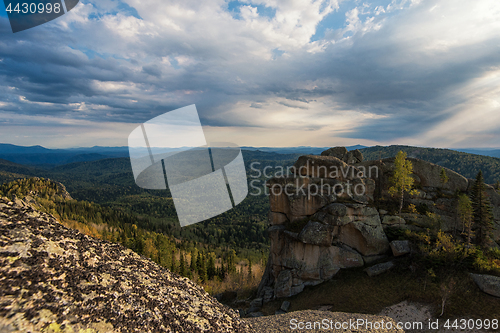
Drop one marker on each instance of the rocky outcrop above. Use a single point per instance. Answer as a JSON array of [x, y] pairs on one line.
[[56, 279], [379, 268], [400, 247], [320, 222], [432, 195], [323, 218], [350, 157], [487, 283], [306, 320]]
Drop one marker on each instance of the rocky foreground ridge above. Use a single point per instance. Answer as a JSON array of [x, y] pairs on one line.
[[54, 279], [330, 215]]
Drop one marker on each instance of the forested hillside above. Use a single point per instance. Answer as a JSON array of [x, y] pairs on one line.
[[216, 267], [465, 164], [110, 183]]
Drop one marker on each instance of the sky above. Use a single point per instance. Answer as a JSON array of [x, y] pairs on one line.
[[261, 73]]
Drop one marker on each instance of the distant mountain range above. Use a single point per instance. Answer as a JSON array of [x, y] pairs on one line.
[[46, 158]]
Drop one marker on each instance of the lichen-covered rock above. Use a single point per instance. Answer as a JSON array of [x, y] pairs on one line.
[[400, 247], [289, 322], [365, 238], [52, 277], [379, 268], [487, 283], [276, 218], [283, 286], [391, 220], [317, 234]]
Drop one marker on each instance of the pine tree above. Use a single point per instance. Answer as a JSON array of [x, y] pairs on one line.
[[401, 179], [211, 266], [192, 266], [465, 216], [221, 272], [198, 262], [231, 264], [173, 266], [182, 265], [250, 275], [482, 213], [203, 271]]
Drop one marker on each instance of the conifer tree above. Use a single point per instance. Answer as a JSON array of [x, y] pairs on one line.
[[198, 262], [231, 262], [173, 266], [250, 274], [482, 213], [192, 266], [203, 271], [465, 216], [211, 267], [182, 265]]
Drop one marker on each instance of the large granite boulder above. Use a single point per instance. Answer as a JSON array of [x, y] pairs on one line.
[[52, 276], [299, 197], [487, 283], [366, 239], [400, 247], [379, 268], [317, 233]]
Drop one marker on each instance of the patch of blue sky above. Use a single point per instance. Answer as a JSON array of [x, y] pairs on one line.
[[174, 63], [91, 54], [333, 21], [263, 11], [277, 53], [128, 11], [120, 8], [337, 19]]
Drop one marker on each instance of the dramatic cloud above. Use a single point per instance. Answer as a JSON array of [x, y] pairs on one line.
[[270, 73]]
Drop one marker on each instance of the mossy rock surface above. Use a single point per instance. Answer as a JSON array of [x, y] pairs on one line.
[[55, 279]]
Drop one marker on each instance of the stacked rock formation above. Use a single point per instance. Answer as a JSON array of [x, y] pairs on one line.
[[54, 279], [323, 217], [432, 195]]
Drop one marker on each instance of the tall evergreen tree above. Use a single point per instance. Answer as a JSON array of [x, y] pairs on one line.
[[198, 262], [482, 213], [182, 265], [231, 261], [202, 273], [192, 267], [211, 266], [465, 216], [250, 274], [173, 265]]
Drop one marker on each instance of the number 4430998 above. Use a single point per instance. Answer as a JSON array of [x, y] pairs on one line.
[[32, 8], [472, 324]]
